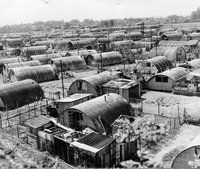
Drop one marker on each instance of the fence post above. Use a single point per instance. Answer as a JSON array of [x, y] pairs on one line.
[[1, 126], [29, 113], [7, 117]]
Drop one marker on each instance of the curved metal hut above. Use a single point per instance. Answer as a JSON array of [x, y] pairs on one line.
[[16, 42], [105, 58], [172, 35], [188, 157], [40, 74], [61, 44], [82, 43], [154, 65], [166, 80], [98, 113], [84, 53], [46, 58], [69, 63], [34, 50], [18, 94], [7, 67], [92, 84], [117, 45], [6, 61]]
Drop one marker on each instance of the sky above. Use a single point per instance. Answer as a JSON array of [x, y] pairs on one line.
[[28, 11]]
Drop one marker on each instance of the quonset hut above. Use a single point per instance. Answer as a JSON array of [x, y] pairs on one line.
[[92, 84], [40, 74], [46, 58], [34, 50], [68, 63], [189, 157], [154, 65], [166, 80], [7, 67], [18, 94], [98, 113], [6, 61], [108, 58]]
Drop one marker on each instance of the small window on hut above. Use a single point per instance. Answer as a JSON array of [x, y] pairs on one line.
[[158, 79], [79, 85], [148, 64], [164, 79]]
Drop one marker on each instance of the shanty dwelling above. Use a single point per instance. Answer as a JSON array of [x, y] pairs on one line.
[[46, 58], [172, 36], [6, 61], [95, 150], [92, 84], [105, 58], [33, 126], [188, 157], [128, 89], [56, 140], [166, 80], [68, 63], [88, 43], [118, 45], [188, 84], [34, 50], [67, 102], [61, 45], [18, 94], [7, 67], [42, 73], [13, 43], [98, 113], [126, 138], [153, 66]]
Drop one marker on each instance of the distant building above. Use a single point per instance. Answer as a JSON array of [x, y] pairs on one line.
[[128, 89]]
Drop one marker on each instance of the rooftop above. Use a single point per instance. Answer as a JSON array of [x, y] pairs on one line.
[[119, 83], [72, 98]]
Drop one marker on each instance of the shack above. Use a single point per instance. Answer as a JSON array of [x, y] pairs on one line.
[[166, 80], [98, 113], [128, 89], [92, 84], [67, 102], [18, 94], [95, 150], [68, 63], [42, 73], [105, 58], [33, 126]]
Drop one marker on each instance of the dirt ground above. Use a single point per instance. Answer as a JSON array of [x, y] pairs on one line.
[[161, 155]]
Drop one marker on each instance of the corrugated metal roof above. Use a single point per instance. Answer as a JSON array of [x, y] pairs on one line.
[[38, 121], [191, 42], [195, 63], [21, 64], [119, 83], [72, 98], [96, 140], [107, 107], [18, 94], [174, 73]]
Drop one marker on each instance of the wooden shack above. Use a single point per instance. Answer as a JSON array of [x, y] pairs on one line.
[[33, 126], [63, 104]]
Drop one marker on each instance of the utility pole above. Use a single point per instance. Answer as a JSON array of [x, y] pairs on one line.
[[101, 62], [62, 78]]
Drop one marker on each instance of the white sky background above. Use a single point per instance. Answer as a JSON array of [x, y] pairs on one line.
[[28, 11]]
